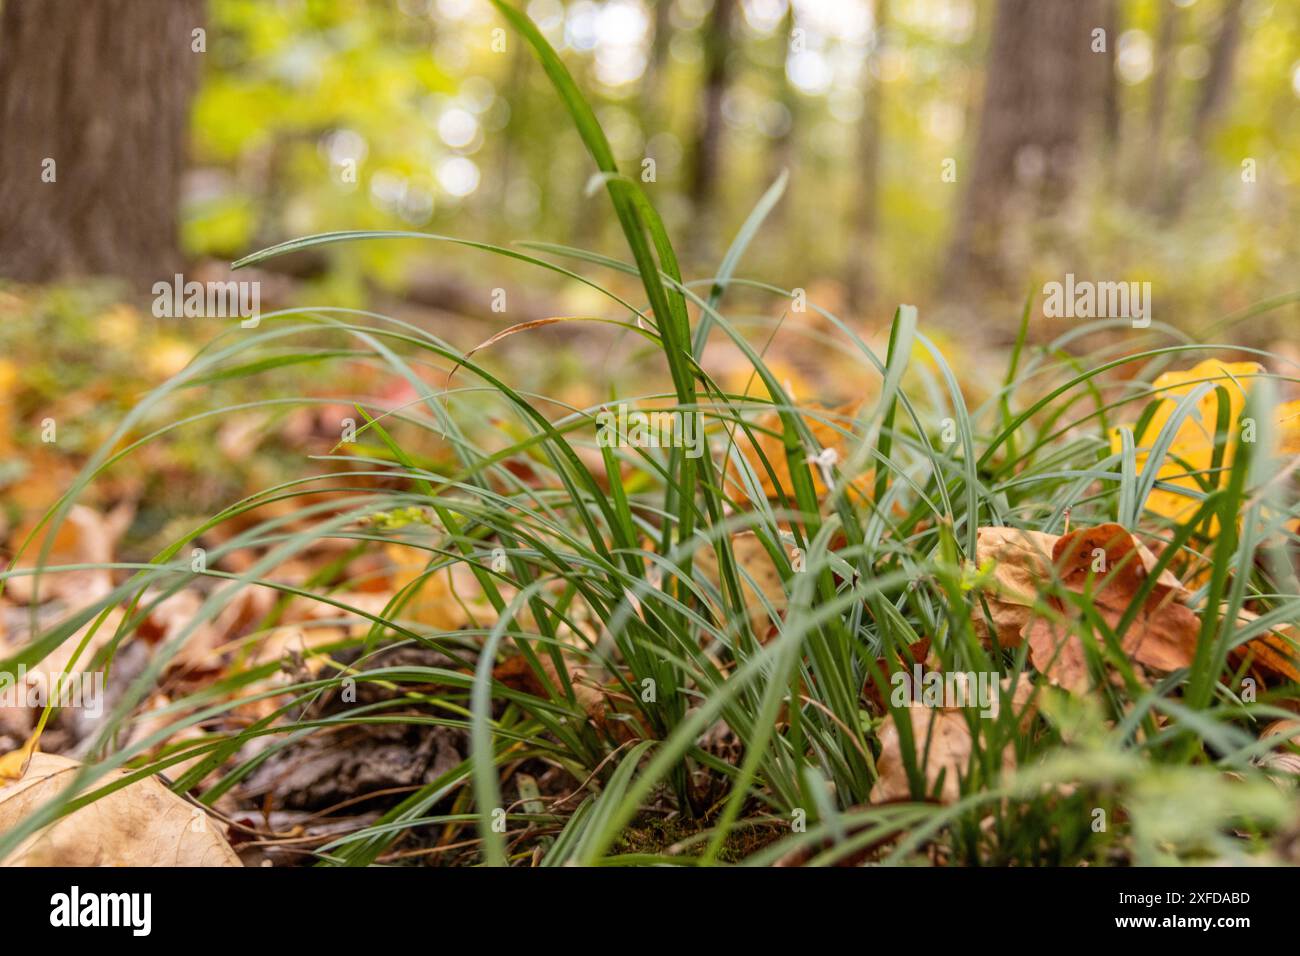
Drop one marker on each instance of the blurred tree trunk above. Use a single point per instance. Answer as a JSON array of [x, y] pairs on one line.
[[94, 103], [782, 155], [859, 275], [1215, 91], [706, 160], [654, 81], [1158, 105], [1042, 83], [1218, 81], [1110, 79]]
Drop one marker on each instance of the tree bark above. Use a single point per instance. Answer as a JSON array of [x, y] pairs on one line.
[[1214, 94], [859, 275], [1043, 80], [781, 156], [94, 102], [1110, 80], [1158, 105], [1218, 81], [654, 89], [706, 159]]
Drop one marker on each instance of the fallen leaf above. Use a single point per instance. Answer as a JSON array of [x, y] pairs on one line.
[[599, 703], [1020, 561], [1057, 656], [440, 598], [57, 661], [239, 435], [949, 755], [1281, 759], [827, 429], [1191, 454], [1161, 641], [143, 824], [1111, 556], [1105, 561], [202, 656], [759, 581], [1275, 653], [84, 537], [169, 616], [949, 749]]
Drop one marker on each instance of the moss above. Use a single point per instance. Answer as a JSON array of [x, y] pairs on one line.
[[652, 835]]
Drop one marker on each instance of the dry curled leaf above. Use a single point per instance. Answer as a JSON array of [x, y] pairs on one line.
[[83, 537], [1281, 759], [1109, 564], [1020, 561], [947, 752], [827, 428], [606, 707], [1114, 560], [143, 824], [1275, 654], [760, 580]]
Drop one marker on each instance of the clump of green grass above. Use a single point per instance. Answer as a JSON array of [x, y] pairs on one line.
[[1172, 767]]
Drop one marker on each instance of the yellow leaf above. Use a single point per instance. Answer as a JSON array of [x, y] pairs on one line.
[[14, 764], [438, 601], [827, 429], [1191, 453]]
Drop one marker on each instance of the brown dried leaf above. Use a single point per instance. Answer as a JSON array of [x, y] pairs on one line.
[[1281, 759], [758, 565], [949, 746], [949, 754], [143, 824], [1021, 559], [1162, 638], [171, 615], [1274, 653], [440, 599], [1057, 654], [84, 537], [600, 704], [1127, 564], [1114, 564], [1009, 621]]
